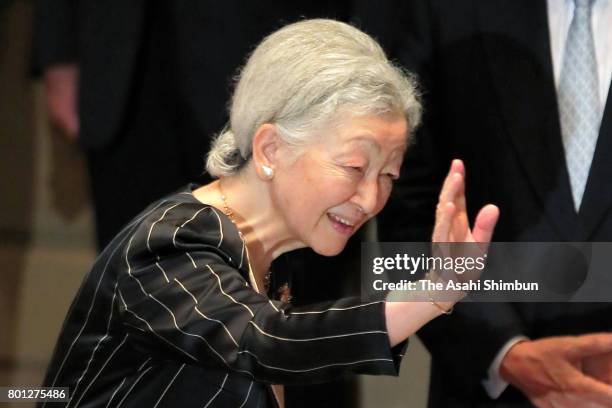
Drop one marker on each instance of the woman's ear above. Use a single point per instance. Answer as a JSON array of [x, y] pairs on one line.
[[266, 144]]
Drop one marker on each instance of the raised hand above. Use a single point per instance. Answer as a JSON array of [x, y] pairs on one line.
[[405, 314], [452, 223], [452, 229]]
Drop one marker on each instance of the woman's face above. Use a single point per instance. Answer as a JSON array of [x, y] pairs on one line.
[[340, 181]]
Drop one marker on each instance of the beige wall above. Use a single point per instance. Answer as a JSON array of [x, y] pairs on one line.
[[46, 242]]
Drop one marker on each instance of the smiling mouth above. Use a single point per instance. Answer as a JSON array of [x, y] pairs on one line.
[[340, 224]]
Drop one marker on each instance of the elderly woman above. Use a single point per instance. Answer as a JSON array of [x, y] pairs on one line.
[[175, 313]]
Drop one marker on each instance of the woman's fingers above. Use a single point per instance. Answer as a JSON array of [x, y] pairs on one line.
[[457, 166], [460, 194], [485, 223], [450, 186], [444, 222], [451, 216]]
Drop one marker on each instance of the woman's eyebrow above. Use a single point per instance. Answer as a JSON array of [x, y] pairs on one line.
[[364, 140]]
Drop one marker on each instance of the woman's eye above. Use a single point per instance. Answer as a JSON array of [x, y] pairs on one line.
[[356, 169], [391, 176]]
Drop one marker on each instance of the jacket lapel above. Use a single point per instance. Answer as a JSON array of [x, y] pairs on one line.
[[517, 47], [597, 198]]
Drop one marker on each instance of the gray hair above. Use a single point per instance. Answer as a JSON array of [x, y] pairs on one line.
[[301, 78]]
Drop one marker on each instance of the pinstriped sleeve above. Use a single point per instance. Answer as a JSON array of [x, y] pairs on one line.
[[182, 298]]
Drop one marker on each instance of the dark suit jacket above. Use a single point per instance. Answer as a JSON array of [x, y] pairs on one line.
[[490, 100], [211, 38], [167, 315]]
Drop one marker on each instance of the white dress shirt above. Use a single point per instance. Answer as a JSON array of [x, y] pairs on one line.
[[560, 14]]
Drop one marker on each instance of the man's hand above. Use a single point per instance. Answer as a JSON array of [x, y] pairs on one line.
[[599, 367], [61, 86], [548, 371]]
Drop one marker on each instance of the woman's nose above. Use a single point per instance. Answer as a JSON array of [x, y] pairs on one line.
[[367, 196]]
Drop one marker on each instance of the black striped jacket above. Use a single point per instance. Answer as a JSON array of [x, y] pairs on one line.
[[167, 318]]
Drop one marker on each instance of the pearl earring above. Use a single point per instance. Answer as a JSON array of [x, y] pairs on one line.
[[268, 171]]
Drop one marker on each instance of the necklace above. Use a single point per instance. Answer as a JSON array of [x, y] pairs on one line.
[[230, 214]]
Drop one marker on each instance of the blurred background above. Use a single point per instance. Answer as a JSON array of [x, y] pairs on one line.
[[47, 234]]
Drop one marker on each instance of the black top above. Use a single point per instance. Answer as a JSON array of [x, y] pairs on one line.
[[167, 317]]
